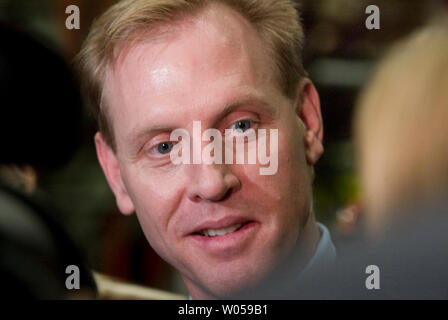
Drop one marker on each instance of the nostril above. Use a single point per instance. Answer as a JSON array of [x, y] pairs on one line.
[[213, 184], [216, 198], [227, 194]]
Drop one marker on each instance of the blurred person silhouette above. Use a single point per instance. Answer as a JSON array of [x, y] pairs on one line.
[[402, 142], [401, 128], [401, 138], [40, 128]]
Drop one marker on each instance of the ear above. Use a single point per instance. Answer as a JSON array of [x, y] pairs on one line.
[[109, 163], [307, 108]]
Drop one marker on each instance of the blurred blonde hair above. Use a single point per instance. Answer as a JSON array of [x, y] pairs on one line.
[[401, 124], [276, 21]]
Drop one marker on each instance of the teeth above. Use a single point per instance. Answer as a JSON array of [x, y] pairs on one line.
[[220, 232]]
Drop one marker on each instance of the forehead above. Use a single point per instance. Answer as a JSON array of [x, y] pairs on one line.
[[216, 32], [202, 60]]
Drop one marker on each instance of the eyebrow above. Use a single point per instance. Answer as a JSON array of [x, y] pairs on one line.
[[250, 100]]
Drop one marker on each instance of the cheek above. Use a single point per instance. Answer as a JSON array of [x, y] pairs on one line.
[[293, 179], [291, 183], [156, 195], [292, 166]]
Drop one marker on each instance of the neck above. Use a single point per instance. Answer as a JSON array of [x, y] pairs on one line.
[[293, 265]]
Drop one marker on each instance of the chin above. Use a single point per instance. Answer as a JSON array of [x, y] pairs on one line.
[[226, 282]]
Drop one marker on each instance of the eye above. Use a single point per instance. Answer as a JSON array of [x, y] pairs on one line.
[[164, 147], [241, 126]]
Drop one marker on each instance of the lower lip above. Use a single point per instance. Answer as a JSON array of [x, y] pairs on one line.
[[229, 241]]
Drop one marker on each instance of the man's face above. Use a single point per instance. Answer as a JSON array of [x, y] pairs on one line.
[[206, 64]]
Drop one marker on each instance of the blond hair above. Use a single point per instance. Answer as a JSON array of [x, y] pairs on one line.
[[401, 125], [276, 21]]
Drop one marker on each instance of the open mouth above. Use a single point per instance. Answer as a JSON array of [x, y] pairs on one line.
[[226, 238], [222, 231]]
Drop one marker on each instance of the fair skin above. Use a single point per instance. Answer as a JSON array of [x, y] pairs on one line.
[[212, 60]]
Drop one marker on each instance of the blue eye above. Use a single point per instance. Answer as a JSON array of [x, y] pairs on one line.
[[165, 147], [242, 125]]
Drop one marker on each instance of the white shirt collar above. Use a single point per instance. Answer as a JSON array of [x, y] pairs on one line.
[[325, 253]]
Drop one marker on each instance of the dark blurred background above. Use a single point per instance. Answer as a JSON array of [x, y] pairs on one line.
[[339, 55]]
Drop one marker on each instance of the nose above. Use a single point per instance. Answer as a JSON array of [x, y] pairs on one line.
[[212, 182]]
